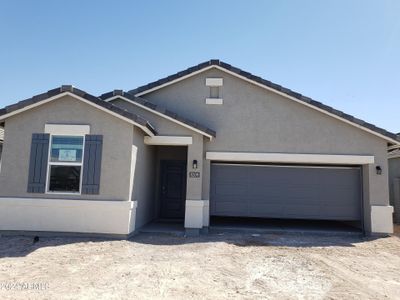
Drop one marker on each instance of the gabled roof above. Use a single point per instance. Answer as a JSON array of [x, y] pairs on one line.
[[56, 93], [214, 63], [147, 105]]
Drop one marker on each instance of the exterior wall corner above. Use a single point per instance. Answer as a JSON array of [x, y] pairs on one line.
[[381, 219]]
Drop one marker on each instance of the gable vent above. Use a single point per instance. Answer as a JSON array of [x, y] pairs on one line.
[[215, 95]]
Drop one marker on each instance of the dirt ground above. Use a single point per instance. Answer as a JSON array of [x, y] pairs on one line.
[[214, 266]]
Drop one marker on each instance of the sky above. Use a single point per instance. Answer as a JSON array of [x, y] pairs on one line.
[[344, 53]]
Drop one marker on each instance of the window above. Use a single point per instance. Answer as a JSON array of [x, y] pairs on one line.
[[65, 164]]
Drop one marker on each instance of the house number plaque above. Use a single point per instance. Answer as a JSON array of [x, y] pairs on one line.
[[194, 174]]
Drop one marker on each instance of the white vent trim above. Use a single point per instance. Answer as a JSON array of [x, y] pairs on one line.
[[168, 140], [214, 81], [66, 129], [215, 101]]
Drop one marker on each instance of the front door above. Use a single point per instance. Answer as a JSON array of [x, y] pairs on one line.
[[173, 189]]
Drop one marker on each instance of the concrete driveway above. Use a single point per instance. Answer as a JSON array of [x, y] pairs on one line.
[[215, 266]]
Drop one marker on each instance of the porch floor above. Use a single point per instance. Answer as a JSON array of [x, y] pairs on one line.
[[164, 226]]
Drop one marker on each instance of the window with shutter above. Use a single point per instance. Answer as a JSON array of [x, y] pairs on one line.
[[61, 163]]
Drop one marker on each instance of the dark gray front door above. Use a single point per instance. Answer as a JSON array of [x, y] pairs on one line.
[[298, 192], [173, 189]]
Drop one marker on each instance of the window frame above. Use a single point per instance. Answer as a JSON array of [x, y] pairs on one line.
[[50, 163]]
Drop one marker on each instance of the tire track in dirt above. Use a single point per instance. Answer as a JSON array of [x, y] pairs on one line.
[[358, 282]]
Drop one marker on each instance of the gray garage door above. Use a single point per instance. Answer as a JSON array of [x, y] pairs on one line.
[[299, 192]]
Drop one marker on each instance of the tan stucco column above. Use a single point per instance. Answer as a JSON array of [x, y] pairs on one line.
[[378, 214], [194, 212]]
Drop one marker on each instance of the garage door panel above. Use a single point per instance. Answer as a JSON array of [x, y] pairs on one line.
[[266, 211], [286, 192], [342, 194], [302, 211], [343, 211], [302, 200], [228, 189], [234, 175], [233, 200], [227, 209]]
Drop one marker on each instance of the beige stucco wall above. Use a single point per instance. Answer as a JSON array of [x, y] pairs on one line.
[[253, 119], [144, 180], [117, 147], [194, 186]]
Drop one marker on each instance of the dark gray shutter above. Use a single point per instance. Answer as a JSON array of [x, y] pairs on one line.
[[92, 164], [38, 163]]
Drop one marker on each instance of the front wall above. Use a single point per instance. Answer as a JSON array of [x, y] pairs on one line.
[[144, 179], [117, 146], [196, 187], [83, 216], [394, 184], [253, 119]]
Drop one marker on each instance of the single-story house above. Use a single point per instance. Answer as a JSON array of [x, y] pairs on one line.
[[394, 182], [209, 141]]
